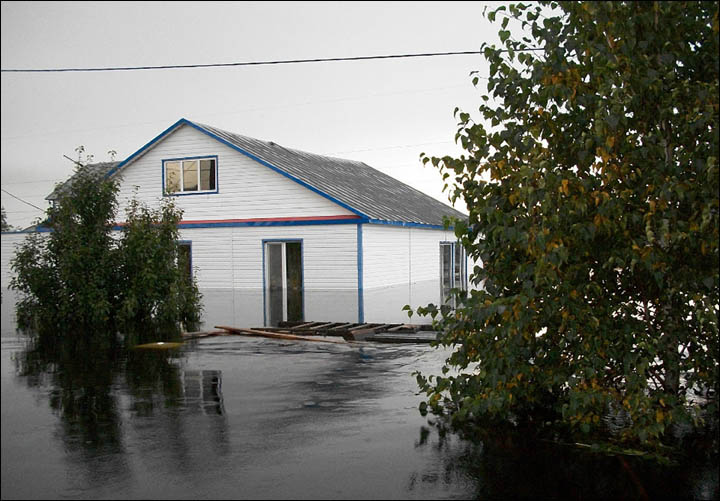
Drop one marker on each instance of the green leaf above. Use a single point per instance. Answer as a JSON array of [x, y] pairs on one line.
[[590, 183]]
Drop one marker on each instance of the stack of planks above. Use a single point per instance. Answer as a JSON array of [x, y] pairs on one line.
[[350, 331], [322, 331]]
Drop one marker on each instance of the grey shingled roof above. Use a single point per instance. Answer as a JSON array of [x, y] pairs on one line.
[[354, 183], [99, 168]]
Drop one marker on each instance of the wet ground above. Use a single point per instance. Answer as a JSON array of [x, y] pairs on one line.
[[238, 417]]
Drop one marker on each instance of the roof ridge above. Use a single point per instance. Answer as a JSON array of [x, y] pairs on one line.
[[352, 184], [273, 143], [382, 194]]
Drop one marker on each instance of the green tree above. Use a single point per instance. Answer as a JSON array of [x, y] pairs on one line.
[[593, 206], [154, 290], [68, 278], [4, 226], [78, 282]]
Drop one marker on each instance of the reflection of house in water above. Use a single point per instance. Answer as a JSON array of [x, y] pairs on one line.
[[202, 390]]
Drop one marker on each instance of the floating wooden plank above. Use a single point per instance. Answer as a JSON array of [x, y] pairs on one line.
[[293, 323], [201, 334], [361, 334], [408, 328], [360, 326], [341, 327], [306, 325], [162, 345], [314, 328], [276, 335], [422, 337], [350, 331]]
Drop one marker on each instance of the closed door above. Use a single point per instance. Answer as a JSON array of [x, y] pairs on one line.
[[283, 282]]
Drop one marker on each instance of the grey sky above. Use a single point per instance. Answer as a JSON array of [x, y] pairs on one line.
[[382, 112]]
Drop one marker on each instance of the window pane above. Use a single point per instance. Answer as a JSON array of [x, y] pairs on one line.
[[207, 174], [172, 177], [459, 267], [190, 175], [445, 272], [293, 260], [275, 283]]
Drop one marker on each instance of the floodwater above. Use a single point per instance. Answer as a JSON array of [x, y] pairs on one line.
[[237, 417]]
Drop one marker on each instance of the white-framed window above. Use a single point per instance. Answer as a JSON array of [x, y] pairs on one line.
[[453, 270], [190, 176]]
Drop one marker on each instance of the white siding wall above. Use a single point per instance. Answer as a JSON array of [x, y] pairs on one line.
[[329, 254], [400, 266], [398, 255], [247, 189], [8, 244], [229, 267], [211, 256], [385, 256]]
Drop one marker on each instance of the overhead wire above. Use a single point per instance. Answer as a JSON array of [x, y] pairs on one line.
[[23, 201], [251, 63], [233, 64]]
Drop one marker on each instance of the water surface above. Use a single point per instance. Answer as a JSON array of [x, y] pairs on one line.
[[238, 417]]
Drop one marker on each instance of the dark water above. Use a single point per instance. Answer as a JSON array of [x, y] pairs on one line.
[[236, 417]]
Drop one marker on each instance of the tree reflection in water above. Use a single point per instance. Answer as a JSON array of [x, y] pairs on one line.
[[503, 464], [102, 393]]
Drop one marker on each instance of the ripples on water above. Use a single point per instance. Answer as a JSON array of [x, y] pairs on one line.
[[237, 417]]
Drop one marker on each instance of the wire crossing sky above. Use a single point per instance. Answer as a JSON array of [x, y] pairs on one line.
[[252, 63], [79, 73]]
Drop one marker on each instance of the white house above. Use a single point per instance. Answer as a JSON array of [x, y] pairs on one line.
[[281, 234]]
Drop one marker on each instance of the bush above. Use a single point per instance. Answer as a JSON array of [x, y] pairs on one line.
[[80, 283]]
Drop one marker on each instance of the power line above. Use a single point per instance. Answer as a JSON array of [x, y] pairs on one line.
[[23, 201], [21, 211], [253, 63], [39, 181]]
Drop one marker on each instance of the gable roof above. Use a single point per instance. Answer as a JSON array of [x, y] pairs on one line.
[[102, 168], [367, 192]]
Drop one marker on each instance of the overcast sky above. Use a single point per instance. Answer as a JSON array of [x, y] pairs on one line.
[[382, 112]]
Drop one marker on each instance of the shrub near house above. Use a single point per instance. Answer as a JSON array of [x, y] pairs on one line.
[[78, 283]]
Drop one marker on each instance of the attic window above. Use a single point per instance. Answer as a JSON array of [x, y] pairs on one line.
[[187, 176]]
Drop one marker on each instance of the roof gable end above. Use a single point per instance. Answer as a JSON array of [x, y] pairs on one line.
[[353, 185]]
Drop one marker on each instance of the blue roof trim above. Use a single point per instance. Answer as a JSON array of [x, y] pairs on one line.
[[409, 225], [184, 121], [276, 169], [224, 225], [231, 224], [41, 229], [148, 145]]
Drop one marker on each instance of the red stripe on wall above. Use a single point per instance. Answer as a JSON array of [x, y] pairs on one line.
[[268, 219]]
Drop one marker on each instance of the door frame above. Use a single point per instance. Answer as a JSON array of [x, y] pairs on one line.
[[265, 271], [463, 270]]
